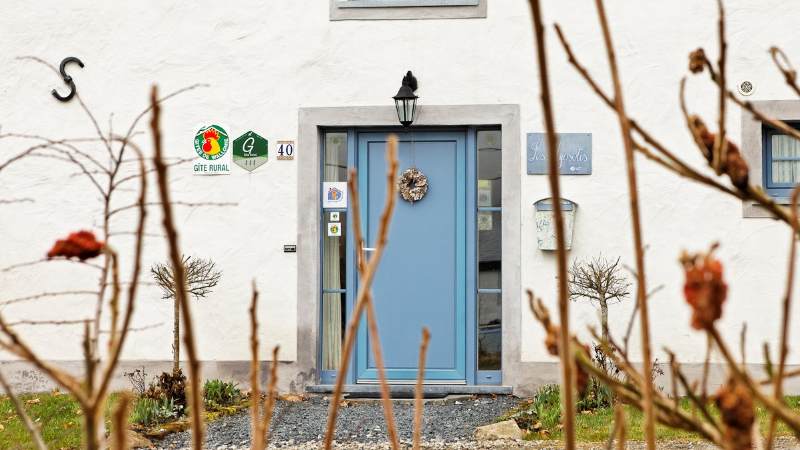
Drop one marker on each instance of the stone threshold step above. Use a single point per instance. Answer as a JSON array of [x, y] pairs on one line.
[[407, 390]]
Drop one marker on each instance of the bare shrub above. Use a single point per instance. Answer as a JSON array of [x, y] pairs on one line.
[[705, 289], [201, 278]]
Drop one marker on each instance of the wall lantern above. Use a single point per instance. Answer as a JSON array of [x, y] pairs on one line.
[[546, 226], [406, 101]]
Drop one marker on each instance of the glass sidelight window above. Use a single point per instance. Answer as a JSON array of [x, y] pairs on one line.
[[334, 255], [489, 207], [781, 162]]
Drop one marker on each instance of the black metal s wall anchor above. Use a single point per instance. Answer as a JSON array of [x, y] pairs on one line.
[[67, 79]]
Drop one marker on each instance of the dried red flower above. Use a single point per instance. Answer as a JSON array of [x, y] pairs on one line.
[[705, 290], [551, 340], [697, 61], [736, 408], [732, 165], [82, 245]]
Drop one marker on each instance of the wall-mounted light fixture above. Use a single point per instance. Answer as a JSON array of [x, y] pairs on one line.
[[406, 101]]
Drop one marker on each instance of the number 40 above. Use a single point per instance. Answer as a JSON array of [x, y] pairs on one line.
[[286, 149]]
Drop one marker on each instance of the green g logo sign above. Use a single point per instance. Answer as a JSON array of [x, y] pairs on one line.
[[250, 151]]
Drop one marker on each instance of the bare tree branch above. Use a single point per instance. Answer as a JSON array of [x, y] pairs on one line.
[[45, 295], [181, 294], [567, 362]]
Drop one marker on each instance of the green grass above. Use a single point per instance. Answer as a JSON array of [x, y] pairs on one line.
[[60, 420], [58, 416], [596, 426]]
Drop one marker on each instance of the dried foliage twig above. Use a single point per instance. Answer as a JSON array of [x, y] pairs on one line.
[[272, 394], [567, 363], [705, 289], [257, 439], [366, 271], [259, 424], [633, 195], [119, 435], [91, 391], [195, 391], [419, 391], [785, 316]]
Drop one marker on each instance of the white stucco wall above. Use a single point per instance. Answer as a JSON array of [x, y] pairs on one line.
[[265, 59]]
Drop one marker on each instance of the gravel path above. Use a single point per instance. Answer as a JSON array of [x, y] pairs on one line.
[[449, 424], [360, 422]]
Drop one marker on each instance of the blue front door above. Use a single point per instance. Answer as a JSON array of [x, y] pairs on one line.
[[422, 278]]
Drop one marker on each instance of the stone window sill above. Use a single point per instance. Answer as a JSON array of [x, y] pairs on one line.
[[751, 209], [402, 3], [406, 9]]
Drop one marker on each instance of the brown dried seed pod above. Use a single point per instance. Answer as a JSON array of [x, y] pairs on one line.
[[705, 289], [697, 60], [736, 408], [733, 164], [551, 340]]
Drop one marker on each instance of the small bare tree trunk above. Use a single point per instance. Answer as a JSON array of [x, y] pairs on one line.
[[176, 337], [93, 428], [604, 317]]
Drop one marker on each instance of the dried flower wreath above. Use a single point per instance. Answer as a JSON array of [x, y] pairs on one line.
[[413, 185]]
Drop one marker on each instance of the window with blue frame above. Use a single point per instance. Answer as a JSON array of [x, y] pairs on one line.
[[781, 161], [334, 255], [489, 209], [403, 3]]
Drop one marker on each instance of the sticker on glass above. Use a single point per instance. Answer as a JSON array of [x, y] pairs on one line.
[[334, 229], [334, 195]]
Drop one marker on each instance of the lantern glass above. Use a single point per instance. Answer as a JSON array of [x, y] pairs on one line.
[[406, 109]]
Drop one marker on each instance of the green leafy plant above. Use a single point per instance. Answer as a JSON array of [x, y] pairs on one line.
[[169, 386], [149, 411], [596, 396], [547, 405], [541, 413], [218, 393]]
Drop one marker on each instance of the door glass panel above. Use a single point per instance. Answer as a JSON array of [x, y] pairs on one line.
[[334, 254], [335, 163], [489, 331], [489, 168], [489, 249], [334, 243], [333, 307]]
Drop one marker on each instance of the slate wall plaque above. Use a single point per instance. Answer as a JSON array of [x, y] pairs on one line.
[[574, 153]]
